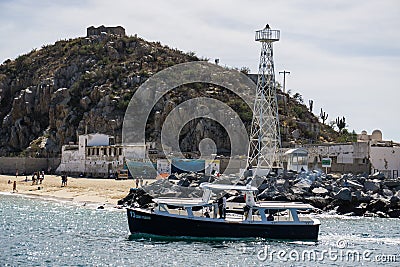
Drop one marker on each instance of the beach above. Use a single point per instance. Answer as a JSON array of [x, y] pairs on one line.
[[84, 190]]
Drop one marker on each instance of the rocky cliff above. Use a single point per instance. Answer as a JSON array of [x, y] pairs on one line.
[[52, 94]]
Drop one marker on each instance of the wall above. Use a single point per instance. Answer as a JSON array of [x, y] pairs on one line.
[[386, 160], [8, 165], [346, 158]]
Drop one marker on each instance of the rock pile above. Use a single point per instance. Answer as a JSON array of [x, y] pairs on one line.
[[348, 194]]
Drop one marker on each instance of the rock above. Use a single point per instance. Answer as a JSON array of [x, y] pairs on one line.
[[394, 199], [85, 102], [392, 183], [382, 214], [344, 207], [320, 191], [262, 187], [282, 185], [372, 186], [360, 209], [354, 185], [387, 193], [343, 194], [378, 205], [378, 175], [318, 202], [394, 213], [361, 196], [268, 193], [184, 182]]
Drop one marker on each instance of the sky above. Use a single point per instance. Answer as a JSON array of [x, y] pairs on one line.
[[344, 55]]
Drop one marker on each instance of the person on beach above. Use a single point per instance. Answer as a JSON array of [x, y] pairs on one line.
[[64, 180], [40, 179], [15, 187], [137, 182], [16, 173], [34, 179]]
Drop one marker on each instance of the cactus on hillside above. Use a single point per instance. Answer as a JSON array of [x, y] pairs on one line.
[[323, 116], [340, 123], [311, 104]]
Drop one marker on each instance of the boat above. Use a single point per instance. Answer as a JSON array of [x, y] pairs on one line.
[[202, 217]]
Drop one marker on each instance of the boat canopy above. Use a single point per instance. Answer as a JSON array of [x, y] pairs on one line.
[[181, 202], [243, 188]]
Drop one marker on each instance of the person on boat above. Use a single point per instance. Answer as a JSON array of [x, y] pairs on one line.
[[246, 210], [207, 213], [222, 207]]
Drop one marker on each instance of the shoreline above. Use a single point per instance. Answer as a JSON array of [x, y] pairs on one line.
[[83, 191]]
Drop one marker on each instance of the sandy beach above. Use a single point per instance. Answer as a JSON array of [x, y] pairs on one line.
[[84, 190]]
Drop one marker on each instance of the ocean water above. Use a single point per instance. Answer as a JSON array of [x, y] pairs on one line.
[[37, 232]]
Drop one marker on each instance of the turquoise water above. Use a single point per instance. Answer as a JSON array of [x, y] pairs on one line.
[[37, 232]]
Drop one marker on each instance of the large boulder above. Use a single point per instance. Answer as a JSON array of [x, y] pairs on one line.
[[394, 213], [353, 184], [379, 205], [360, 196], [372, 185], [318, 202], [378, 175], [387, 192], [392, 183], [282, 185], [320, 191], [343, 194]]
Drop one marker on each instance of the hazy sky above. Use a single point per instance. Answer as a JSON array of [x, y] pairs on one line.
[[345, 55]]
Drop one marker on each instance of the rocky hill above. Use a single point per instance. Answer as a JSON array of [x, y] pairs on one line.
[[52, 94]]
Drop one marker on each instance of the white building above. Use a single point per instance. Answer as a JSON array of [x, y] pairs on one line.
[[369, 154], [384, 155], [96, 155]]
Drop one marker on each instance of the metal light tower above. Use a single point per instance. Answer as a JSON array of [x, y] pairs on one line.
[[265, 139]]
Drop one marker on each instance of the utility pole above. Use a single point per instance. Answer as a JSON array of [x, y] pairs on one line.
[[284, 90], [284, 79]]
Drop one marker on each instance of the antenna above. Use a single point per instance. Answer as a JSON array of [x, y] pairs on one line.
[[265, 139]]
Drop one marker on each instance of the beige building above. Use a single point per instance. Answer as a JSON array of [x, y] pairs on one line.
[[97, 155]]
